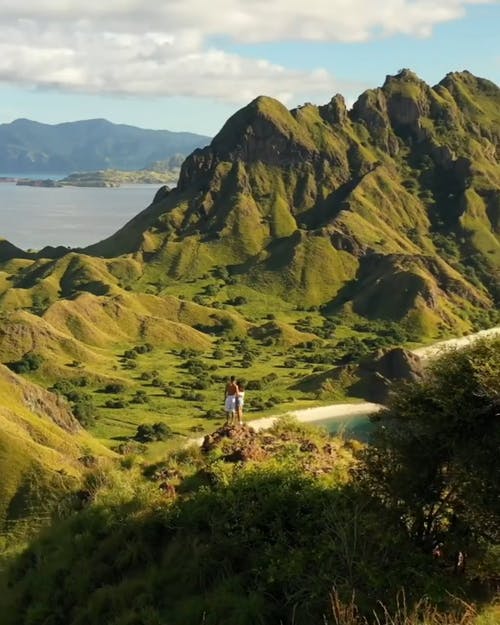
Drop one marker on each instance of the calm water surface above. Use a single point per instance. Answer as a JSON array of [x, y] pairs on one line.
[[32, 217], [353, 426]]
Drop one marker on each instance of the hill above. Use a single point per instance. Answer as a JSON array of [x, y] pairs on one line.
[[258, 527], [31, 147], [389, 211], [40, 446]]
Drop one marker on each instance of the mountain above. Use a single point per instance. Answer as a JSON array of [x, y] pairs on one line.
[[390, 210], [27, 146]]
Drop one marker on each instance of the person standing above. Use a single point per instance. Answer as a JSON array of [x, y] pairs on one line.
[[230, 393], [240, 400]]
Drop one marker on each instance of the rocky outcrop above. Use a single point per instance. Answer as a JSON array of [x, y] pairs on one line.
[[243, 444], [43, 403], [378, 372]]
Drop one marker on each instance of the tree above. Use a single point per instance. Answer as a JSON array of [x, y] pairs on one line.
[[435, 454]]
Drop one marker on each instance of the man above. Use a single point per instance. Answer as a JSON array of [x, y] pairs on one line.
[[230, 400]]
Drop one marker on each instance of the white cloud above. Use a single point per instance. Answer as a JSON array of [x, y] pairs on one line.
[[127, 46]]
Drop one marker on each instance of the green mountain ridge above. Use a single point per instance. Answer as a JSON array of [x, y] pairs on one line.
[[326, 206]]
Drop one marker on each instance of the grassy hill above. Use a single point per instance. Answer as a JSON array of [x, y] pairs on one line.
[[313, 203], [40, 446]]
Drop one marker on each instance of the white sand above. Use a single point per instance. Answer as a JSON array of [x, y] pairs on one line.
[[433, 350], [320, 413], [341, 411]]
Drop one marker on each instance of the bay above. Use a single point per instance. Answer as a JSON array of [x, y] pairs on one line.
[[350, 426], [33, 217]]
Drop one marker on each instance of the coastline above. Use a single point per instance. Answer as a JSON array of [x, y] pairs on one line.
[[341, 411]]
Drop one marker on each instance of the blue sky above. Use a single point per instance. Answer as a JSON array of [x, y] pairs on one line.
[[184, 65]]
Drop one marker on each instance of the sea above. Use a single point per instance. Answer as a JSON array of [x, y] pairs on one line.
[[33, 217], [358, 427]]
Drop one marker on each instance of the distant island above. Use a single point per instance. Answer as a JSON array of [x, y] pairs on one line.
[[103, 178], [28, 147]]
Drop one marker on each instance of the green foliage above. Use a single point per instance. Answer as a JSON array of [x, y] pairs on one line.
[[28, 363], [114, 388], [84, 410], [265, 548], [156, 432], [435, 451], [140, 397]]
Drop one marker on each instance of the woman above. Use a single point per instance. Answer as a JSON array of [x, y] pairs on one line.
[[240, 400]]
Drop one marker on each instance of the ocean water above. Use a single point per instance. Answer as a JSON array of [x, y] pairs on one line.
[[353, 426], [32, 217]]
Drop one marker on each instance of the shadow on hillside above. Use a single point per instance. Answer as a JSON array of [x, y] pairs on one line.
[[267, 548]]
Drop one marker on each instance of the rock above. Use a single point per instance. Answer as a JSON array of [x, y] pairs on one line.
[[161, 194], [309, 446], [335, 112], [379, 371]]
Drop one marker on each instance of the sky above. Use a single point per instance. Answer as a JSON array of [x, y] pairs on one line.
[[189, 64]]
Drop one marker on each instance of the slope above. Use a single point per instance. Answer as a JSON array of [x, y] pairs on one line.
[[40, 444]]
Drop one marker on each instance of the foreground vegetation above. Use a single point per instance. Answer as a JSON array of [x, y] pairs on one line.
[[285, 525]]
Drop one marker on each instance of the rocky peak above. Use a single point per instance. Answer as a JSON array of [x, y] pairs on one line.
[[264, 130], [335, 112], [408, 100], [371, 109]]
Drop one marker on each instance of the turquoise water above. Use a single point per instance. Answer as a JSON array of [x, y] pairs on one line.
[[356, 426], [32, 217]]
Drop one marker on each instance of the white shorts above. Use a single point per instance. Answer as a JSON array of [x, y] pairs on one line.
[[230, 403]]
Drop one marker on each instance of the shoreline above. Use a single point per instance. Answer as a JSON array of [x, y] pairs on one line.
[[340, 411]]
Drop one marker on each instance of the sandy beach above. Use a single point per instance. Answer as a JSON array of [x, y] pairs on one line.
[[341, 411], [320, 413], [435, 348]]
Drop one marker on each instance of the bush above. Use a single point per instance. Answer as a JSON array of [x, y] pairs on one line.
[[239, 301], [151, 433], [84, 411], [29, 362], [140, 397], [116, 403], [114, 388], [212, 414], [143, 349]]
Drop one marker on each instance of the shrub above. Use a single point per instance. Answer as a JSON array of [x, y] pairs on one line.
[[114, 387], [29, 362], [140, 397], [116, 403], [155, 432], [84, 411]]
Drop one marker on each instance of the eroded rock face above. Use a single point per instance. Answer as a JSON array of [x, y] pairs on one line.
[[379, 372], [43, 403], [395, 364], [335, 112]]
